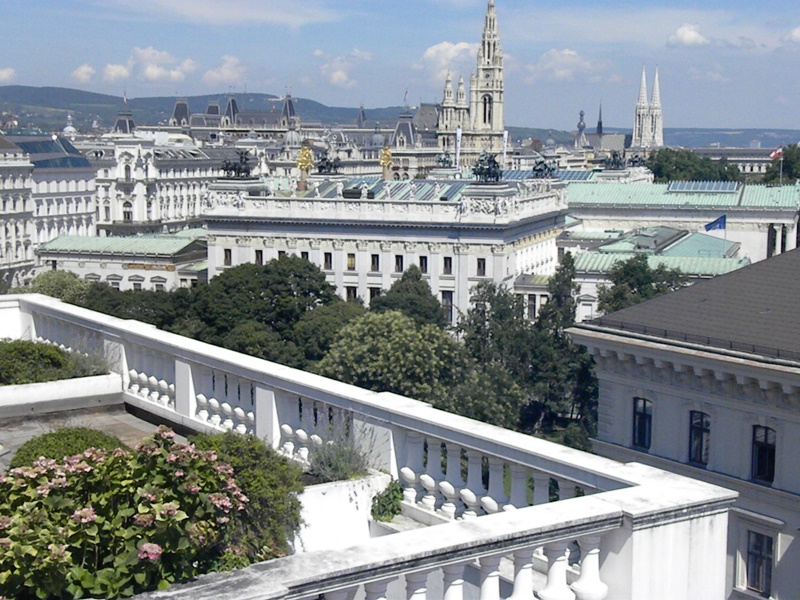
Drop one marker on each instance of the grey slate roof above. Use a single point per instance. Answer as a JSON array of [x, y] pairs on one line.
[[753, 310]]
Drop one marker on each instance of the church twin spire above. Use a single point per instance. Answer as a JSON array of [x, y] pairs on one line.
[[648, 125]]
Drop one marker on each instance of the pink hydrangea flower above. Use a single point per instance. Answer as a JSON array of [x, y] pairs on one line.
[[149, 551], [84, 515]]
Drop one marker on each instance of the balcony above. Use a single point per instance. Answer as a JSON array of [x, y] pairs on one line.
[[591, 529]]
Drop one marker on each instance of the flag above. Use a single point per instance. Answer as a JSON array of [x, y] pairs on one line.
[[777, 153], [717, 223], [125, 97], [405, 98]]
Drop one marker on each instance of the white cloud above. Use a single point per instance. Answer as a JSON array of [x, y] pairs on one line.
[[83, 74], [714, 74], [231, 71], [793, 36], [7, 74], [113, 73], [687, 35], [337, 69], [445, 57], [230, 12], [158, 65], [561, 65]]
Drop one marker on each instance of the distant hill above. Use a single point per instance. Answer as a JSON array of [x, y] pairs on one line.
[[46, 108]]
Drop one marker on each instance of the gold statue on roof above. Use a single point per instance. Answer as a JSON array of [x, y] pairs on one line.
[[305, 159], [386, 157]]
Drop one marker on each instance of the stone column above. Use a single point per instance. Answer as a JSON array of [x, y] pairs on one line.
[[541, 488], [490, 577], [376, 590], [523, 575], [417, 585], [454, 582], [519, 486], [348, 594]]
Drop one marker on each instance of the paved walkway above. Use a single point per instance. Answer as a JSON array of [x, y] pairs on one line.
[[114, 420]]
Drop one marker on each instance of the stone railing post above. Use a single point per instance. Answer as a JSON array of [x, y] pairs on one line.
[[523, 575], [454, 581], [556, 588], [417, 585], [376, 590], [490, 577], [588, 586]]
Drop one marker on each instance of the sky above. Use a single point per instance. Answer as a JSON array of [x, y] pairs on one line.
[[731, 64]]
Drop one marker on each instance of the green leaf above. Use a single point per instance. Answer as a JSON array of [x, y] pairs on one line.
[[163, 584]]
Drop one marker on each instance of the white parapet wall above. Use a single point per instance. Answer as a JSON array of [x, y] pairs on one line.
[[35, 399]]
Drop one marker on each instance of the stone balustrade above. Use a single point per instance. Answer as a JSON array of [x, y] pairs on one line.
[[498, 499]]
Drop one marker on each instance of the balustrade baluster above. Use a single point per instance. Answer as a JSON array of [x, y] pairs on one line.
[[523, 575], [433, 475], [347, 594], [490, 577], [566, 489], [519, 486], [541, 488], [589, 586], [556, 588], [472, 494], [417, 585], [376, 590], [495, 499], [452, 484], [454, 582]]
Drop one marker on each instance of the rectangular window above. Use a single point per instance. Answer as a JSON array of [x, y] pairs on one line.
[[160, 287], [375, 263], [328, 261], [351, 262], [642, 423], [374, 292], [423, 264], [351, 292], [447, 305], [304, 255], [115, 284], [398, 263], [228, 257], [759, 563], [763, 464], [259, 257], [137, 286], [447, 268], [531, 306], [281, 253], [699, 437], [481, 267]]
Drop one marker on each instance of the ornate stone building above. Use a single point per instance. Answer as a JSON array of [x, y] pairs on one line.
[[480, 121], [648, 123]]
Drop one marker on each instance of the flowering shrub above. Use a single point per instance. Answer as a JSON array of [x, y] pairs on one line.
[[62, 442], [111, 524]]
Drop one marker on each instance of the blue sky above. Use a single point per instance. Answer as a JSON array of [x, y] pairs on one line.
[[730, 64]]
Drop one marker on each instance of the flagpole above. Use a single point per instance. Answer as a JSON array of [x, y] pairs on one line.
[[781, 178]]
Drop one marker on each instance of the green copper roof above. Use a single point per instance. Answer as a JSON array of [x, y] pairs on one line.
[[700, 245], [658, 194], [157, 245], [596, 262]]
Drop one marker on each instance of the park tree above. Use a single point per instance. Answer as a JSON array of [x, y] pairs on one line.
[[634, 281], [789, 166], [412, 296], [63, 285], [317, 329], [668, 164], [389, 352], [260, 340]]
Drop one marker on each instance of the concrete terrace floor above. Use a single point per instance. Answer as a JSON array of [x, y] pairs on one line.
[[114, 420]]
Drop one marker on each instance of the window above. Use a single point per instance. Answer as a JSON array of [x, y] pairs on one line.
[[351, 292], [127, 211], [304, 255], [375, 263], [137, 286], [642, 422], [447, 305], [259, 257], [228, 257], [759, 563], [351, 262], [398, 263], [374, 292], [328, 261], [423, 264], [448, 265], [481, 267], [699, 437], [763, 464], [281, 254], [531, 306]]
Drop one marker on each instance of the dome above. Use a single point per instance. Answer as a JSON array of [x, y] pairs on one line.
[[292, 138], [378, 140], [69, 130]]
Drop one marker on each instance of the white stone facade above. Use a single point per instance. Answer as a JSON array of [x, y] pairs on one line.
[[16, 217]]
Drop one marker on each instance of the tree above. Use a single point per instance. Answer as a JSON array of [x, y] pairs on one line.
[[260, 340], [389, 352], [277, 294], [633, 281], [669, 164], [64, 285], [559, 312], [318, 328], [412, 296], [791, 166]]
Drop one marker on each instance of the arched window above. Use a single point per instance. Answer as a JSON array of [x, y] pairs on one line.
[[487, 110], [127, 172], [127, 212]]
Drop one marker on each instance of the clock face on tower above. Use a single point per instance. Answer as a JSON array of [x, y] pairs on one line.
[[487, 75]]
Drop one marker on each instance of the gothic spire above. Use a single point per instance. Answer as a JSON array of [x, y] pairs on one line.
[[643, 90], [655, 102], [600, 121], [490, 50]]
